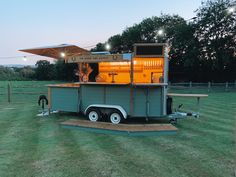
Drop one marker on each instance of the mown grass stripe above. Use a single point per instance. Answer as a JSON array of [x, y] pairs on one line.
[[98, 158], [20, 148]]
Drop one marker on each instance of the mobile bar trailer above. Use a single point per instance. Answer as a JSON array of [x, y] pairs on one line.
[[116, 86]]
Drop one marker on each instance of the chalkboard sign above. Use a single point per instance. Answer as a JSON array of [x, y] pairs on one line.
[[149, 50]]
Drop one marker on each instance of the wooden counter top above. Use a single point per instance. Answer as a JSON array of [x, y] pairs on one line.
[[186, 95], [69, 85], [77, 84]]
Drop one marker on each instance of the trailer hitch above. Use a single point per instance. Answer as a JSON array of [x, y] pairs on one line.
[[178, 114]]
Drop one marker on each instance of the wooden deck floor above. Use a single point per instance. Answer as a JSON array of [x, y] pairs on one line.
[[130, 129]]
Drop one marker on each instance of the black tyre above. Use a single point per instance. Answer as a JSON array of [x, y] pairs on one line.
[[115, 117], [93, 114]]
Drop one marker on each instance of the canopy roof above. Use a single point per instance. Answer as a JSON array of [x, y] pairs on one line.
[[57, 50]]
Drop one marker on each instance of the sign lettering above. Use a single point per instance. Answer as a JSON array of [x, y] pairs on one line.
[[95, 58]]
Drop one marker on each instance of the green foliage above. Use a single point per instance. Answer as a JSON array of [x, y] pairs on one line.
[[26, 73], [44, 70], [99, 47], [130, 36], [58, 71], [65, 71], [117, 42], [216, 32]]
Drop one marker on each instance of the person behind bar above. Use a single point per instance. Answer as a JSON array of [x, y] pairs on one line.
[[94, 73]]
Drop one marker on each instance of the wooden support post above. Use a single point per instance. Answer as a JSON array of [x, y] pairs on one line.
[[132, 71], [9, 93], [209, 86], [198, 107], [226, 86], [190, 86]]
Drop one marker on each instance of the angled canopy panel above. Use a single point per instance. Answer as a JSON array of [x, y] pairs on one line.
[[56, 51]]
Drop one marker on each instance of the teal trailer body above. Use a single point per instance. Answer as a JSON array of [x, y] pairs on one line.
[[64, 99], [136, 100]]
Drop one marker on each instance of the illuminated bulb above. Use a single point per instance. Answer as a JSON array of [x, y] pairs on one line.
[[160, 32], [108, 47], [231, 10], [63, 54], [24, 58]]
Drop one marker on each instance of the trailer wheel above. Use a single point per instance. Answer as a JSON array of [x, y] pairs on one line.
[[93, 114], [115, 117]]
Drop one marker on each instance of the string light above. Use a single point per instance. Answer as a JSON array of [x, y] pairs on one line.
[[160, 32], [108, 47], [13, 57], [62, 54], [231, 10], [24, 58]]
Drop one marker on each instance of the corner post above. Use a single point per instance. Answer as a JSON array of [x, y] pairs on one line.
[[9, 93], [166, 71]]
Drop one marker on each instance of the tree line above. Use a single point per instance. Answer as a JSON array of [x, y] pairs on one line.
[[14, 73], [43, 70]]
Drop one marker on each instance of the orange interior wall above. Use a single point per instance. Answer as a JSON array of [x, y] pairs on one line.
[[146, 70]]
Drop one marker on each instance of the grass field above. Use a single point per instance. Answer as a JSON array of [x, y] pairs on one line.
[[33, 146]]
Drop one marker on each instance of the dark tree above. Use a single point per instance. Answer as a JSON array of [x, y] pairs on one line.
[[216, 32], [44, 70], [116, 42], [99, 47], [66, 71]]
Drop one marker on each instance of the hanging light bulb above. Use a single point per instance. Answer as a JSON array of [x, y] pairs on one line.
[[63, 54], [231, 10], [24, 58], [108, 47], [160, 32]]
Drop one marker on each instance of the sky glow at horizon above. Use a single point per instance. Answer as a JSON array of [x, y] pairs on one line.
[[29, 24]]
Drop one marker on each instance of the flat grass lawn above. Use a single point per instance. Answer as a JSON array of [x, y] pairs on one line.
[[34, 146]]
